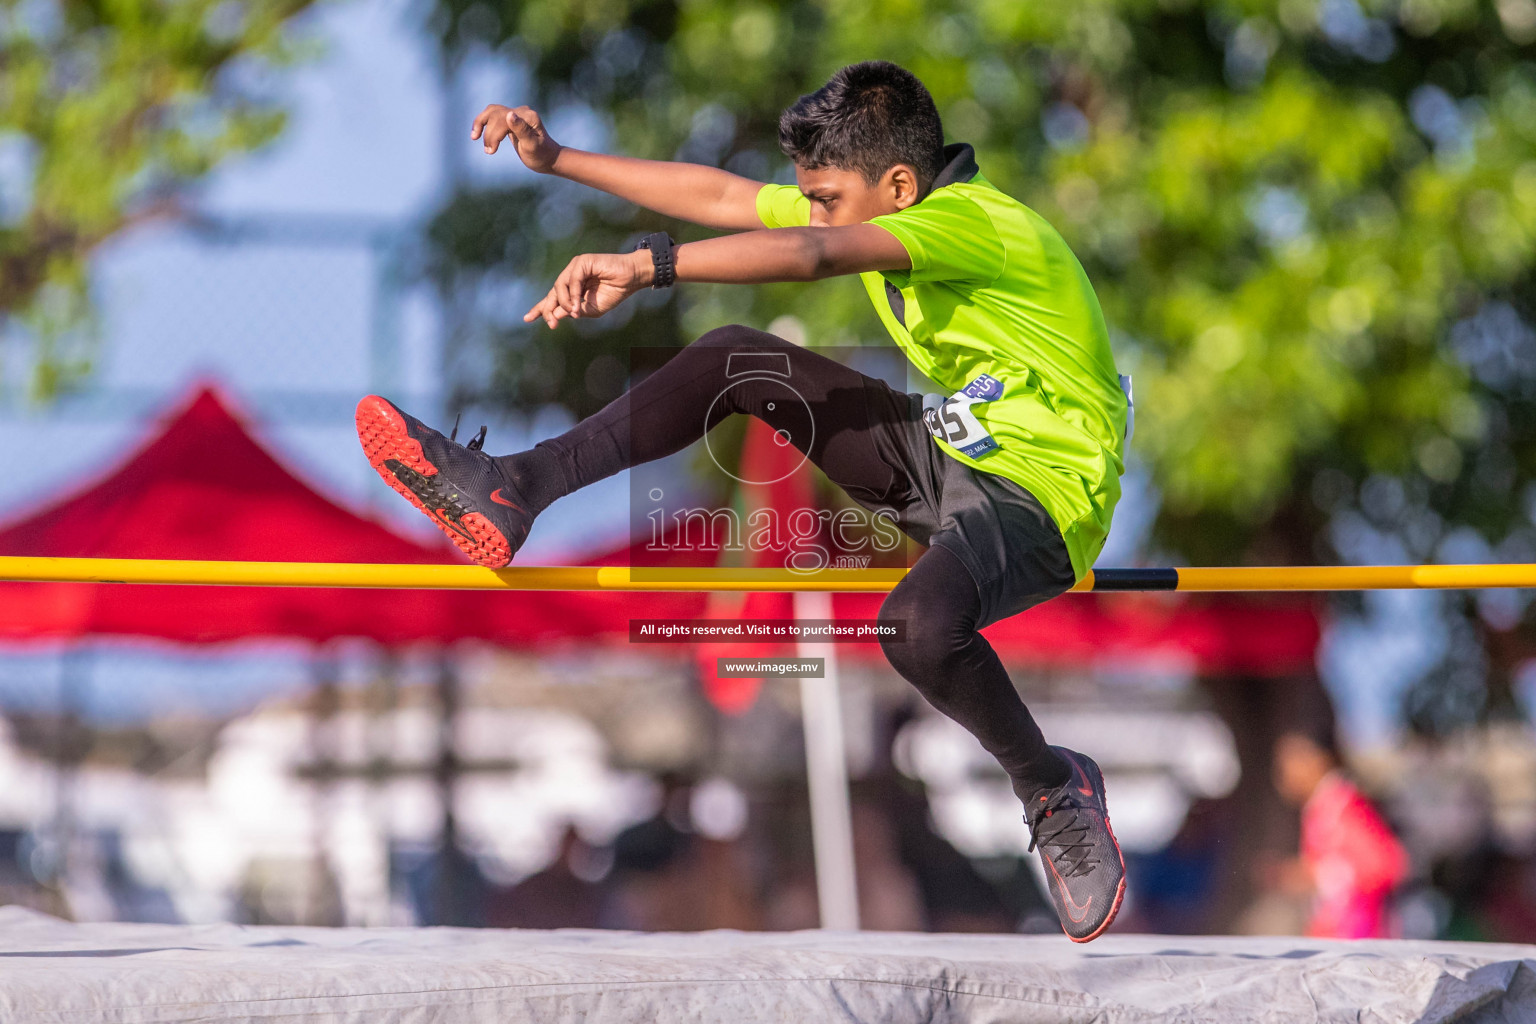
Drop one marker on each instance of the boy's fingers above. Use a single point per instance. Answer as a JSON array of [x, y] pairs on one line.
[[550, 309], [589, 277], [572, 294], [563, 291], [579, 275], [541, 311], [485, 119]]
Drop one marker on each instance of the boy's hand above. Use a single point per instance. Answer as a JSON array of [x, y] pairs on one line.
[[533, 144], [592, 284]]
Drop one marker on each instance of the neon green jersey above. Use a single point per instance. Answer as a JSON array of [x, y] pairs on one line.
[[997, 310]]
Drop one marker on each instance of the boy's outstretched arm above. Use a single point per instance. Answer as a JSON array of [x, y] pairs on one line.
[[692, 192], [593, 283]]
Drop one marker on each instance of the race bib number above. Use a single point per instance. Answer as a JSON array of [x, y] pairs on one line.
[[952, 420]]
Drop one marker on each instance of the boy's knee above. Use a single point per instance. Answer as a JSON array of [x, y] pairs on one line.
[[923, 641], [727, 336], [734, 335]]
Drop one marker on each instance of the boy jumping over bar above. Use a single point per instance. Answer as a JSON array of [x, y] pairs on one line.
[[1010, 482]]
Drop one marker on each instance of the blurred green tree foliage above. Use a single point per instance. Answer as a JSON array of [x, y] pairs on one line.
[[106, 108], [1311, 224]]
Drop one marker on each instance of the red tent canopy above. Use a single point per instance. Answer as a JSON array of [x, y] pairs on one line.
[[203, 487]]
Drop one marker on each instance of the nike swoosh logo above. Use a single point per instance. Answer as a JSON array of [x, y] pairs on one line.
[[441, 515], [1083, 786], [1078, 914], [498, 499]]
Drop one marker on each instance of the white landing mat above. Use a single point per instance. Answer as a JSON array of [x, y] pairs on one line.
[[54, 972]]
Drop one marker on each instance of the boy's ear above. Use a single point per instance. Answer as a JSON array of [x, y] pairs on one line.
[[901, 181]]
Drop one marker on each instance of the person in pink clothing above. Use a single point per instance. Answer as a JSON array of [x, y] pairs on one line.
[[1350, 860]]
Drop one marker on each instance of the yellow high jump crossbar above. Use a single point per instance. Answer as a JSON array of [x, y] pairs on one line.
[[542, 577]]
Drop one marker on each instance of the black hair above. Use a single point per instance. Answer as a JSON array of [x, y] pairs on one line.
[[868, 118], [1316, 723]]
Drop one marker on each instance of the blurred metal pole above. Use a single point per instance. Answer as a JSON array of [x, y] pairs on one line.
[[826, 765], [385, 364], [382, 699], [448, 884], [72, 744], [322, 900], [456, 147]]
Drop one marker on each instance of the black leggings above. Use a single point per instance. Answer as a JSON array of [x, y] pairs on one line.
[[943, 656]]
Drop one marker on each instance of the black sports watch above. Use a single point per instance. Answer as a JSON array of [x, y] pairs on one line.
[[660, 243]]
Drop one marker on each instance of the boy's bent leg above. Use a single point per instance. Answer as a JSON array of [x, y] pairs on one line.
[[843, 421], [958, 672], [682, 400]]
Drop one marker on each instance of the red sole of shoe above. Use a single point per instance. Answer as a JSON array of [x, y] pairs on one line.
[[1120, 890], [384, 437]]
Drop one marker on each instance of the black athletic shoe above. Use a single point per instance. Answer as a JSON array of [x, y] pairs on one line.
[[458, 486], [1084, 869]]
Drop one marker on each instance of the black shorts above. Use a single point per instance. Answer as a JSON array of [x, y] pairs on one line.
[[996, 527], [866, 436]]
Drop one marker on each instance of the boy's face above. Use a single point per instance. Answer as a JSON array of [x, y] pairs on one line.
[[840, 197]]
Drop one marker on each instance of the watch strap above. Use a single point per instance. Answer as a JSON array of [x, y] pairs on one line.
[[661, 245]]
